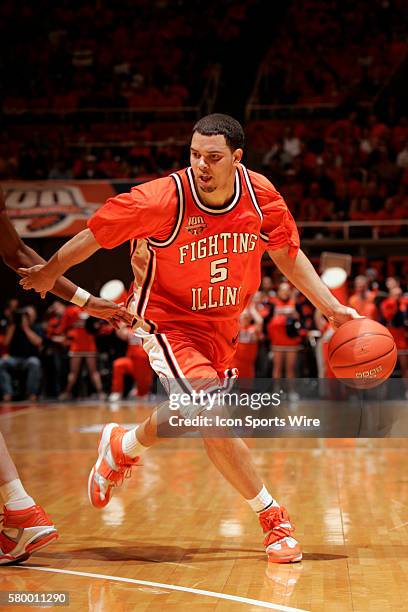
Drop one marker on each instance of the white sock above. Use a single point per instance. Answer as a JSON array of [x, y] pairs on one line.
[[131, 445], [262, 501], [15, 496]]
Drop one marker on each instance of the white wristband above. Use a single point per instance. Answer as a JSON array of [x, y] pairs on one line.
[[80, 297]]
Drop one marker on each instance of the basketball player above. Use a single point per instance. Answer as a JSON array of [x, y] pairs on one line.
[[26, 527], [198, 239]]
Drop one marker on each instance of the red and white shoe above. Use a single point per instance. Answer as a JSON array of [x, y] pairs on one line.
[[112, 466], [280, 545], [24, 531]]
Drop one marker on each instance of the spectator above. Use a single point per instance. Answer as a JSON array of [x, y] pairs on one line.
[[81, 346], [247, 350], [23, 341], [363, 299], [283, 332], [266, 289], [402, 157], [292, 145], [393, 314], [55, 349]]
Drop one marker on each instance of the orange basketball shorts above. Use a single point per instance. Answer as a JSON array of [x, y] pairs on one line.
[[193, 357]]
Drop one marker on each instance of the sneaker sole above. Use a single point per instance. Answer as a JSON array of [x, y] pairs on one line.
[[41, 542], [104, 440], [14, 561], [36, 543]]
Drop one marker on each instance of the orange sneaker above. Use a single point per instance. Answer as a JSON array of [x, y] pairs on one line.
[[112, 466], [24, 531], [280, 545]]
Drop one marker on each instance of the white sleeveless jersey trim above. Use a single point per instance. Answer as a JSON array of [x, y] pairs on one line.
[[208, 209], [144, 269], [181, 207], [254, 200], [252, 192]]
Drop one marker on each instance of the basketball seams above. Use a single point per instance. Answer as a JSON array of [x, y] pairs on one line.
[[362, 363], [364, 334]]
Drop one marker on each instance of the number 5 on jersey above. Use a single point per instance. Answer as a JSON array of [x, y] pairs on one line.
[[218, 272]]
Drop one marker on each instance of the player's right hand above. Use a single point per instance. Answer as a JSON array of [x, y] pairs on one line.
[[342, 314], [37, 278]]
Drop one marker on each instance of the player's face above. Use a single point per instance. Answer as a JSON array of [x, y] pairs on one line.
[[213, 163]]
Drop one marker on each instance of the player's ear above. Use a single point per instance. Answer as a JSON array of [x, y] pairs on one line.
[[237, 156]]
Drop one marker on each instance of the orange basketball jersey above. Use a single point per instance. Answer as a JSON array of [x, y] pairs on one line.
[[192, 261]]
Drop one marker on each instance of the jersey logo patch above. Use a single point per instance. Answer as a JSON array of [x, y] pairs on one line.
[[196, 225]]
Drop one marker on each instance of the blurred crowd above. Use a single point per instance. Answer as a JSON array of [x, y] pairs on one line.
[[83, 68], [64, 64], [66, 354], [346, 49], [354, 168], [139, 53]]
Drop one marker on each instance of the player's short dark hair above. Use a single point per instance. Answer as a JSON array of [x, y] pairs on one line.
[[217, 123]]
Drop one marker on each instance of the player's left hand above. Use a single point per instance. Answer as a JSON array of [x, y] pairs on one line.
[[37, 278], [105, 309], [343, 314]]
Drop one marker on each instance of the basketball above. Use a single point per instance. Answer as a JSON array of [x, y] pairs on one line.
[[362, 353]]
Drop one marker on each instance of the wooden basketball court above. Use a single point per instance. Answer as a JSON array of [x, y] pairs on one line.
[[177, 537]]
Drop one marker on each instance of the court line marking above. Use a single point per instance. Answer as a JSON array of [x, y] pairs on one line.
[[398, 526], [173, 587]]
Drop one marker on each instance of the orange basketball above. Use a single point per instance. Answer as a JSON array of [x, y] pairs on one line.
[[362, 353]]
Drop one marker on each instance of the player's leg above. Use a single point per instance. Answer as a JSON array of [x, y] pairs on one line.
[[26, 527], [120, 450], [8, 471], [232, 458], [171, 356]]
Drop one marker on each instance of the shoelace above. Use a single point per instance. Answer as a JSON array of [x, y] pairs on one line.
[[273, 524], [116, 477]]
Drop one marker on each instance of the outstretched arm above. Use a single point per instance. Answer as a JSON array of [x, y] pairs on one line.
[[300, 272], [42, 278], [16, 254]]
